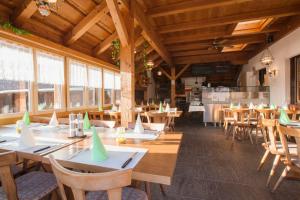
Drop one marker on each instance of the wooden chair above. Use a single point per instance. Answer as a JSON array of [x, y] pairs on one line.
[[104, 123], [242, 124], [96, 184], [292, 164], [33, 185], [96, 115], [272, 146], [228, 121]]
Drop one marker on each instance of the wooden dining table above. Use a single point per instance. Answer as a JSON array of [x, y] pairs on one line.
[[156, 166]]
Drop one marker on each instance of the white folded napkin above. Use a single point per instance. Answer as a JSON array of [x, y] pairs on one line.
[[53, 121], [138, 125], [167, 108], [27, 138]]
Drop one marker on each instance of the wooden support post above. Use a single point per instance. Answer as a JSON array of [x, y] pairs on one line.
[[127, 71], [173, 86]]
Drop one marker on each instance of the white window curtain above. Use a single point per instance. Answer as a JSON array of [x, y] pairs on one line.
[[117, 82], [108, 80], [94, 77], [78, 74], [16, 62], [50, 69]]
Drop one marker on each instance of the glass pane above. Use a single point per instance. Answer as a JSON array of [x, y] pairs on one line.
[[108, 96], [118, 96], [76, 96], [14, 96], [94, 96]]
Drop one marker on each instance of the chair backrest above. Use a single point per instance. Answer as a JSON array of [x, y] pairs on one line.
[[269, 133], [241, 115], [96, 115], [8, 183], [283, 133], [150, 115], [104, 123], [112, 182]]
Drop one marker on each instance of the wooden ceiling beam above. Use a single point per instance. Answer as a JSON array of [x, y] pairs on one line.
[[86, 23], [182, 71], [23, 12], [190, 5], [165, 73], [105, 44], [211, 35], [119, 22], [194, 52], [150, 35], [225, 20], [241, 57]]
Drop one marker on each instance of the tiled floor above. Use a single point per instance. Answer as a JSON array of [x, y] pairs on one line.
[[209, 168]]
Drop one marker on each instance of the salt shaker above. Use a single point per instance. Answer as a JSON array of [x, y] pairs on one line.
[[73, 126], [79, 131]]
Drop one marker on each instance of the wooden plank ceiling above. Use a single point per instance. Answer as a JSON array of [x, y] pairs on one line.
[[179, 32]]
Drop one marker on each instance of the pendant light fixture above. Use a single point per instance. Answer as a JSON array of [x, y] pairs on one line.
[[45, 6], [267, 58]]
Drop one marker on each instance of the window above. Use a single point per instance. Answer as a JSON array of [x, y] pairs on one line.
[[16, 74], [117, 89], [50, 81], [94, 86], [108, 80], [77, 83]]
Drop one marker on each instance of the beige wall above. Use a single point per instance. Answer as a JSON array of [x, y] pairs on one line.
[[282, 51]]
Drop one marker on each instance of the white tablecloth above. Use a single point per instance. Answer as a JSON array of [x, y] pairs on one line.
[[196, 108]]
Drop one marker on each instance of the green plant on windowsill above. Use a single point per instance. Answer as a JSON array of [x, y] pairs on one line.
[[6, 25], [115, 53]]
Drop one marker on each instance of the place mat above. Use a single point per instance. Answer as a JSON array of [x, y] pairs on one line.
[[129, 134], [117, 156], [29, 126], [14, 145], [50, 128]]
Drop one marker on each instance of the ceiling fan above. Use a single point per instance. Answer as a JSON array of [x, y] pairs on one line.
[[219, 44]]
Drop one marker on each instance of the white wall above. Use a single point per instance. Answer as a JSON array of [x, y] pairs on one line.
[[282, 51]]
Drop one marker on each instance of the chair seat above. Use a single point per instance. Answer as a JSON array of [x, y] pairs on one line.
[[33, 186], [296, 162], [127, 194], [15, 169], [292, 147]]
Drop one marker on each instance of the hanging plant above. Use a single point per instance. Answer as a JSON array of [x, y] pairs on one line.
[[8, 26], [145, 56], [115, 53]]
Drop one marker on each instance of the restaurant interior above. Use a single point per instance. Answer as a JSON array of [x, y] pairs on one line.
[[141, 100]]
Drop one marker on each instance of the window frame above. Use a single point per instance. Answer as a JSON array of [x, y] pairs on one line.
[[33, 86]]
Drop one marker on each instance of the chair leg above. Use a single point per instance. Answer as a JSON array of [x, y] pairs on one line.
[[272, 172], [250, 135], [263, 160], [162, 190], [148, 190], [283, 175]]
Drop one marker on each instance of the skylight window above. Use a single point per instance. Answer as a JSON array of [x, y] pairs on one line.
[[252, 26], [236, 47]]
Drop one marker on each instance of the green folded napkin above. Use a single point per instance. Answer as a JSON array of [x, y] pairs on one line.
[[272, 106], [161, 109], [231, 106], [100, 108], [98, 150], [86, 122], [26, 118], [261, 106], [284, 118]]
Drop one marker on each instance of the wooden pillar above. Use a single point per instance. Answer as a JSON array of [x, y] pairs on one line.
[[127, 71], [173, 86]]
